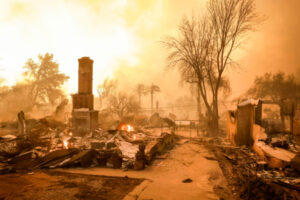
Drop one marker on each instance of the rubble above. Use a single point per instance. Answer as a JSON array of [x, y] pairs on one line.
[[49, 144], [276, 157], [295, 163], [30, 144], [280, 142], [264, 159], [252, 177], [8, 146], [140, 158]]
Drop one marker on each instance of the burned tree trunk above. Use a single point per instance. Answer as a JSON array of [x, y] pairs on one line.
[[199, 104]]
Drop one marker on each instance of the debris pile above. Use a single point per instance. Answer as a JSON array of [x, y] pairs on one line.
[[264, 159], [251, 176], [50, 144]]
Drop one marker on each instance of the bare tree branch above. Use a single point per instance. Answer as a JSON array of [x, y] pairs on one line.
[[203, 50]]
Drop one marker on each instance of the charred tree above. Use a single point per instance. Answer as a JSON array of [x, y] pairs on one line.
[[204, 47]]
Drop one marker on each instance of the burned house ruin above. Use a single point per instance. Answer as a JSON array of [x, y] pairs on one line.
[[84, 117]]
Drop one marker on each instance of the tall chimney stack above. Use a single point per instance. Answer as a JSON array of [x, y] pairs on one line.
[[84, 98], [85, 75], [85, 118]]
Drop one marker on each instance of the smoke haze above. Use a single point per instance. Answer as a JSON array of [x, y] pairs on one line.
[[122, 36]]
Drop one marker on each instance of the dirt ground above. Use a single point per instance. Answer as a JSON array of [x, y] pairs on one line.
[[48, 185], [188, 171], [186, 161]]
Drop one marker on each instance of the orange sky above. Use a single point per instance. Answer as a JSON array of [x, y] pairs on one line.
[[122, 36]]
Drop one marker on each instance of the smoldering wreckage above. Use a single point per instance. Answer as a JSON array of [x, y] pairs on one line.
[[263, 157], [47, 143], [259, 156]]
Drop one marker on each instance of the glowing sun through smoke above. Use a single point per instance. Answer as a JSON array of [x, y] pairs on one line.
[[69, 31]]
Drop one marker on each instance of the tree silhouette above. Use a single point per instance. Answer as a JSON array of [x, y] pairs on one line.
[[122, 104], [153, 89], [45, 80], [277, 87], [204, 47], [107, 88], [141, 90]]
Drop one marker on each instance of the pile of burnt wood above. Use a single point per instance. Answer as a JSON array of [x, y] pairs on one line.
[[267, 170], [46, 143]]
